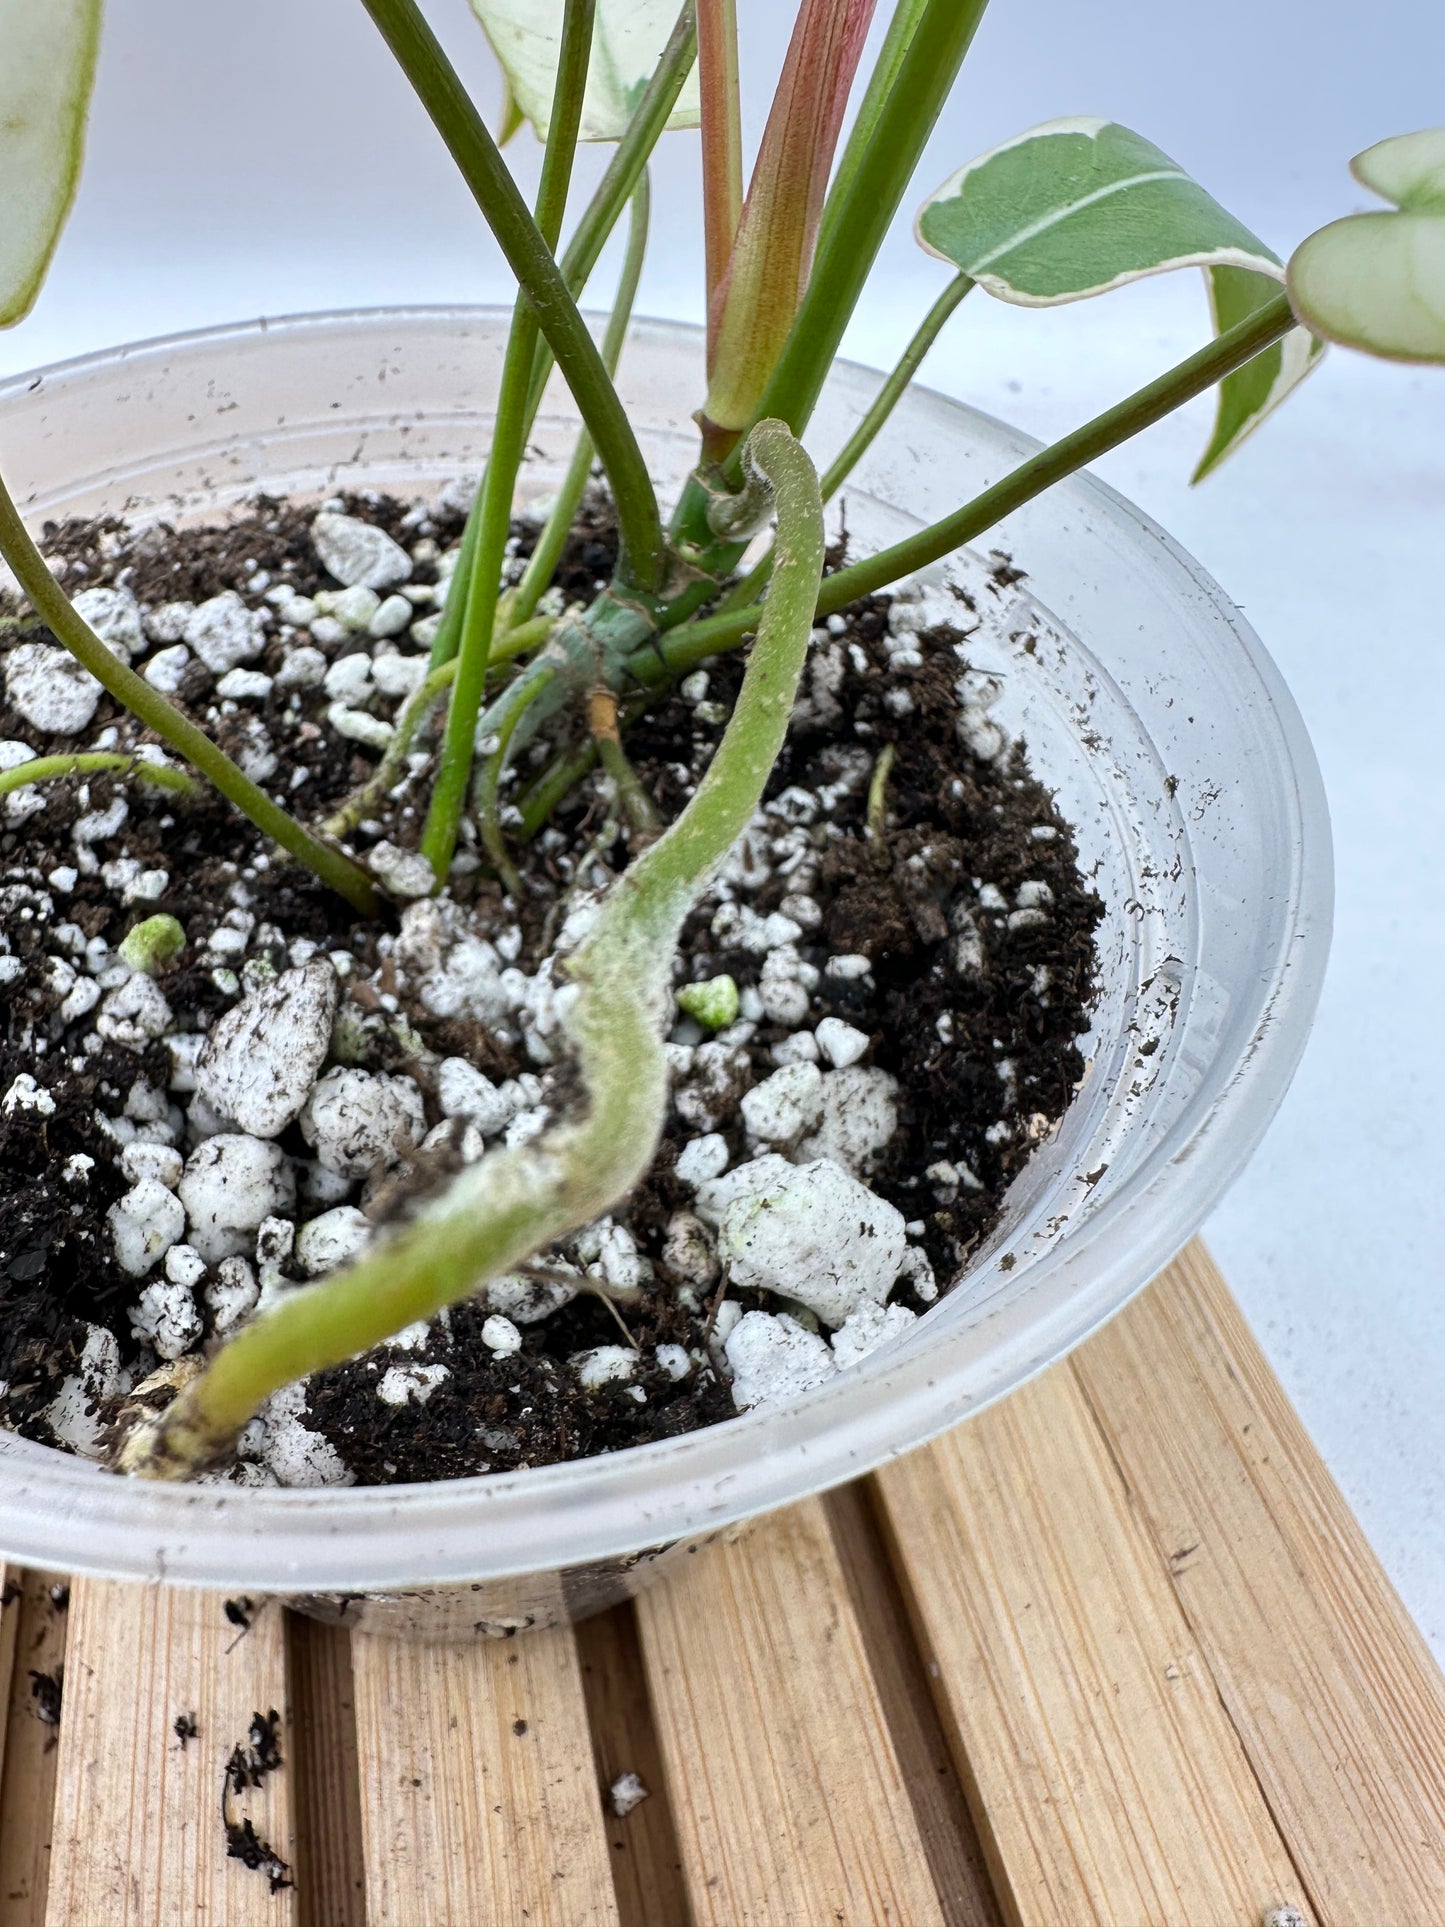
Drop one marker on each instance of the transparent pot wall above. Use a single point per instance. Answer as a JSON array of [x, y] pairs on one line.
[[1145, 701]]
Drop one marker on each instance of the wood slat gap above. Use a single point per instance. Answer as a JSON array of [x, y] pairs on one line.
[[326, 1789], [646, 1859], [900, 1671]]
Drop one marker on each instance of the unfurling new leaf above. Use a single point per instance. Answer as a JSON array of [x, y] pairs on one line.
[[1077, 207], [47, 65], [627, 42], [1377, 281]]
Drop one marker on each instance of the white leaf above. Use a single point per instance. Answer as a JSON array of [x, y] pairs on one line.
[[47, 64], [627, 41], [1377, 281]]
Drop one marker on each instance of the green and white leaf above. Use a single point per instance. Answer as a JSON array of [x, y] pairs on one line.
[[627, 42], [1076, 207], [47, 65], [1377, 281], [1245, 398]]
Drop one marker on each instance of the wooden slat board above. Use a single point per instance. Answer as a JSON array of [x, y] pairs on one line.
[[789, 1799], [1325, 1678], [1114, 1652], [139, 1839], [1106, 1776], [479, 1803], [33, 1631]]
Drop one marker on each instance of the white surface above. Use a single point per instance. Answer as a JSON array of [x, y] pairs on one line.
[[267, 159]]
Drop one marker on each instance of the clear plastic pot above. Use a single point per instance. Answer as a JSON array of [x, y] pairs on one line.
[[1146, 702]]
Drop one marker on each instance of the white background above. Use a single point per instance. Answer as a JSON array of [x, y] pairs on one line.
[[266, 158]]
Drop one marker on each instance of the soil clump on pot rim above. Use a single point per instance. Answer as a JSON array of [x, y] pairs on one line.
[[877, 1023]]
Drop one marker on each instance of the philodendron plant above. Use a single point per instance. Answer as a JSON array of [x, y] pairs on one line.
[[1073, 208]]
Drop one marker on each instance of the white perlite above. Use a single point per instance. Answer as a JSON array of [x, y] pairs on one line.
[[841, 1043], [744, 1181], [224, 632], [860, 1115], [72, 1414], [702, 1158], [259, 1062], [25, 1095], [294, 1453], [158, 1161], [135, 1013], [358, 553], [230, 1185], [816, 1235], [785, 1105], [356, 1120], [244, 686], [406, 873], [774, 1358], [328, 1241], [500, 1336], [167, 1318], [144, 1224], [50, 689], [627, 1792], [603, 1365], [410, 1384], [463, 1091], [868, 1328], [304, 668], [232, 1295], [166, 667], [114, 614], [527, 1301]]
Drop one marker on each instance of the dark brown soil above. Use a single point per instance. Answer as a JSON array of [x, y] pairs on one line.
[[954, 821]]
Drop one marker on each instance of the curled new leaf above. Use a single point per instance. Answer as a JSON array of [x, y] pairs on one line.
[[1077, 207], [1377, 281], [47, 65], [627, 41]]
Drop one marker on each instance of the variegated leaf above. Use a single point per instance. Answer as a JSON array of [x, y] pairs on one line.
[[47, 65], [1377, 281], [627, 41], [1076, 207]]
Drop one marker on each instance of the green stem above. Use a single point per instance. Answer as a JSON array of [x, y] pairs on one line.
[[542, 563], [499, 483], [865, 434], [504, 717], [684, 648], [541, 280], [891, 393], [516, 1201], [536, 803], [41, 769], [151, 708], [629, 793]]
